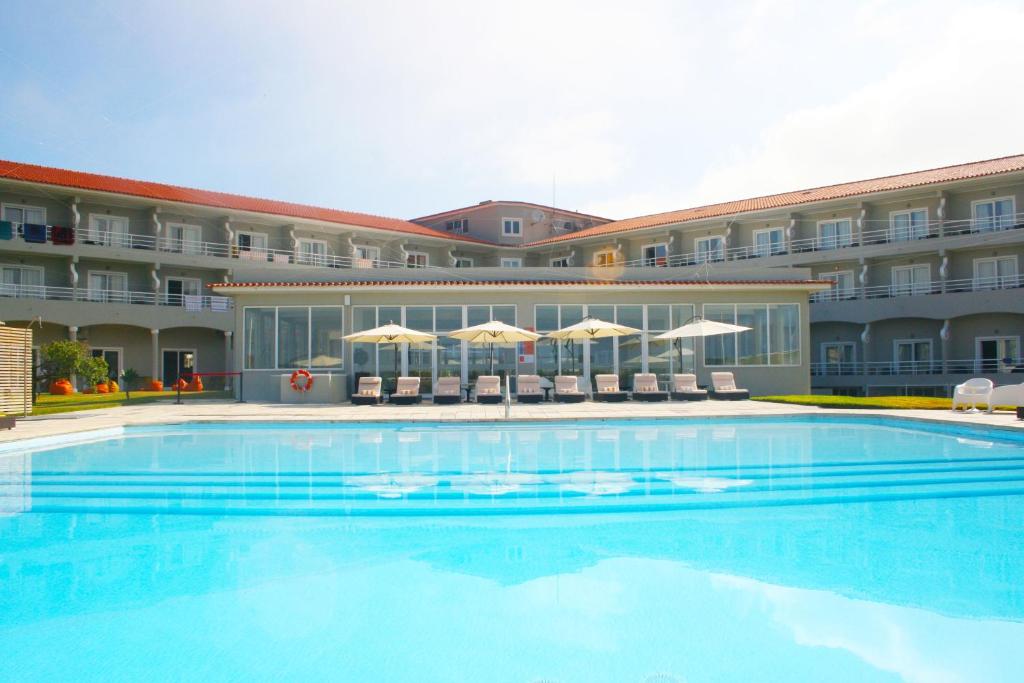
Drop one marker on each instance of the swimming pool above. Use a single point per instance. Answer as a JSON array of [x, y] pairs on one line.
[[786, 549]]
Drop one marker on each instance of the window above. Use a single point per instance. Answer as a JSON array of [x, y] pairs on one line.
[[916, 279], [289, 337], [511, 226], [511, 262], [605, 258], [993, 214], [177, 288], [835, 234], [311, 252], [912, 356], [113, 358], [843, 289], [769, 241], [838, 357], [998, 272], [908, 225], [111, 231], [997, 354], [20, 213], [459, 225], [559, 262], [463, 262], [564, 225], [21, 281], [655, 255], [416, 259], [709, 249], [251, 246], [366, 257], [108, 287], [773, 338], [183, 239]]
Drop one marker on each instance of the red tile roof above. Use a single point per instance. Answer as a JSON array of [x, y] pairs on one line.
[[521, 283], [933, 176], [492, 202], [222, 200]]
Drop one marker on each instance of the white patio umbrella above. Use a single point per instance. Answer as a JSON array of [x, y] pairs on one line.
[[390, 334], [699, 327], [591, 328], [494, 332]]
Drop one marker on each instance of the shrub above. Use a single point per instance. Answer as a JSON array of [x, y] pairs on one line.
[[94, 370]]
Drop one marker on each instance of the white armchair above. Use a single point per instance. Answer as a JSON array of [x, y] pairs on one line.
[[1007, 395], [973, 391]]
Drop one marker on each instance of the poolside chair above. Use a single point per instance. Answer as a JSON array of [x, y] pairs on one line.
[[447, 390], [488, 389], [723, 388], [407, 392], [528, 389], [608, 389], [645, 388], [1007, 395], [567, 389], [684, 388], [973, 391], [368, 392]]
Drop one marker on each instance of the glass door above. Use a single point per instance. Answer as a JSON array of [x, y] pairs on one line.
[[997, 354], [178, 363], [907, 280], [912, 356], [252, 246], [178, 288], [108, 287], [838, 358], [113, 358]]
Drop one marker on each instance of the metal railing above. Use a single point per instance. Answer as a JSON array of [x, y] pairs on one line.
[[189, 302], [976, 366], [920, 288]]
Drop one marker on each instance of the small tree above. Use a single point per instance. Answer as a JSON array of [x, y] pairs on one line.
[[129, 377], [94, 370], [61, 359]]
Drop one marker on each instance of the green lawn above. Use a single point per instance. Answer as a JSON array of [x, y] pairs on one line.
[[855, 402], [49, 405]]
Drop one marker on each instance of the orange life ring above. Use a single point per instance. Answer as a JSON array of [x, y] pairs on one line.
[[306, 385]]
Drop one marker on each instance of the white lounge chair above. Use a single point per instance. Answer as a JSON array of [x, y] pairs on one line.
[[645, 388], [608, 389], [567, 389], [684, 388], [447, 390], [723, 387], [973, 391], [1007, 395], [488, 389], [407, 392], [367, 392], [528, 389]]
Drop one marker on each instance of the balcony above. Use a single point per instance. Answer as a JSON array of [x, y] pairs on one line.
[[191, 303], [971, 366], [919, 289]]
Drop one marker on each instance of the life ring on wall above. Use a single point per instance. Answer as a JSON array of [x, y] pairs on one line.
[[305, 385]]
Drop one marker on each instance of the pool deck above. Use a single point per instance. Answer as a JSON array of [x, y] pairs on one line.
[[230, 411]]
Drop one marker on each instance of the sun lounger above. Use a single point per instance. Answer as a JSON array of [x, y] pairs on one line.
[[488, 389], [723, 387], [1007, 395], [608, 389], [684, 388], [368, 392], [447, 390], [645, 388], [567, 389], [407, 392], [528, 389], [973, 391]]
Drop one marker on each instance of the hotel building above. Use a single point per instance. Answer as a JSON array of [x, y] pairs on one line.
[[902, 284]]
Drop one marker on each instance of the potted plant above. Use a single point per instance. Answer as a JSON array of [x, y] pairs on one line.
[[95, 371], [129, 377]]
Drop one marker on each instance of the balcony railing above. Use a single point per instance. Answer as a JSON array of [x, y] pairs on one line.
[[977, 366], [189, 302], [920, 288]]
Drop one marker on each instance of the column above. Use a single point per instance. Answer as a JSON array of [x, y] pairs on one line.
[[73, 336], [155, 354], [228, 380]]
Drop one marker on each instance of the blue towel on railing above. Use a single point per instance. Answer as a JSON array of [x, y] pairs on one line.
[[33, 232], [6, 230]]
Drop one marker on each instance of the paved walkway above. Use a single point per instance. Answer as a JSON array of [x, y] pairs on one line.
[[229, 411]]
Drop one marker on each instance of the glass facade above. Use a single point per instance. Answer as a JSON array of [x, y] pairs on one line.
[[286, 337], [772, 340]]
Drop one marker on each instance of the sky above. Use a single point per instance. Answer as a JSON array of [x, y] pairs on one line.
[[409, 108]]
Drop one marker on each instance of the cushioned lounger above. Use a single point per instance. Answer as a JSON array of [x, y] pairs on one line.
[[723, 388], [684, 388], [407, 392], [368, 392], [488, 389], [608, 389], [528, 389], [447, 390], [645, 388], [567, 389]]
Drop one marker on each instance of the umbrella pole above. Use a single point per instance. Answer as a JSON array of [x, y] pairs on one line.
[[396, 366]]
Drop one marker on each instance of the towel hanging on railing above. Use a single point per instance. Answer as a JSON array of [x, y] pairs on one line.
[[33, 232], [6, 230], [62, 235]]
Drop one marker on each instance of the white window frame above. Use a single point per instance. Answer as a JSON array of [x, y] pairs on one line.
[[103, 295], [179, 246], [835, 243], [167, 294], [647, 260], [914, 287], [908, 212], [11, 205], [458, 225], [825, 362], [505, 227], [837, 293], [193, 351], [978, 360], [992, 200], [120, 357], [19, 289], [700, 257], [312, 258], [768, 250], [1011, 280], [735, 311], [511, 261], [107, 238], [410, 254], [250, 234], [604, 252], [463, 262], [366, 261], [896, 356], [559, 262]]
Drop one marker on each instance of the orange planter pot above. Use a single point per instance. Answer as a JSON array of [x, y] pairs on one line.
[[102, 389], [156, 385], [61, 387], [195, 385], [112, 387], [180, 384]]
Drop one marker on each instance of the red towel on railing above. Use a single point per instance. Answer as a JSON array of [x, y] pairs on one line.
[[62, 235]]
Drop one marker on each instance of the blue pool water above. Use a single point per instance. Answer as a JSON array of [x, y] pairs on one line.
[[716, 550]]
